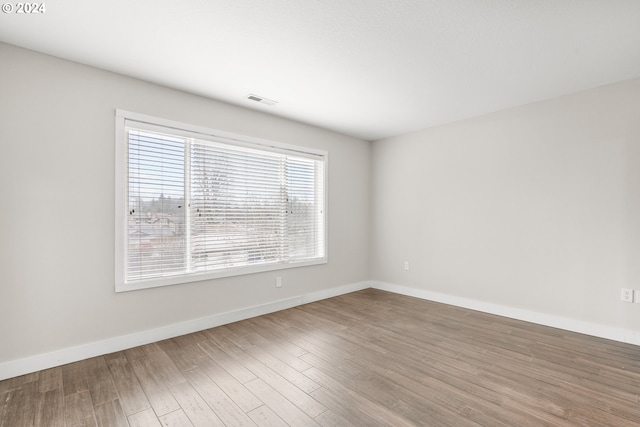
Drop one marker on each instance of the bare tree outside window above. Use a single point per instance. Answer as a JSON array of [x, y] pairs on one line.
[[198, 206]]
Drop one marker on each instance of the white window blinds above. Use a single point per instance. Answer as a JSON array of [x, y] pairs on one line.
[[199, 206]]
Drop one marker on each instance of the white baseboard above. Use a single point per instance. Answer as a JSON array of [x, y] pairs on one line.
[[588, 328], [63, 356]]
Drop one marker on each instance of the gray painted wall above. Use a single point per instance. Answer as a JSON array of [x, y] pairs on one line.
[[57, 128], [535, 208]]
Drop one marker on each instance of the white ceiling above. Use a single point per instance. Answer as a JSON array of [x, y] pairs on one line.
[[366, 68]]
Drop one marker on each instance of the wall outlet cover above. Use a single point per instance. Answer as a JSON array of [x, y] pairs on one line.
[[626, 295]]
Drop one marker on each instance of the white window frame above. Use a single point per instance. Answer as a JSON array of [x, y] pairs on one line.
[[151, 123]]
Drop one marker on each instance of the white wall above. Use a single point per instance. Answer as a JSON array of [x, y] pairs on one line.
[[57, 207], [535, 209]]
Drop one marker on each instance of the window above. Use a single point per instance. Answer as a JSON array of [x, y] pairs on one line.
[[194, 204]]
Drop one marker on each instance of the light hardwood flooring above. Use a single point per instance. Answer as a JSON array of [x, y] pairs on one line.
[[369, 358]]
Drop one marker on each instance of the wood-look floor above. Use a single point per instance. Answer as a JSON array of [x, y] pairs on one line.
[[369, 358]]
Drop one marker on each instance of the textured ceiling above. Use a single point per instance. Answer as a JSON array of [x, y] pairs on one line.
[[366, 68]]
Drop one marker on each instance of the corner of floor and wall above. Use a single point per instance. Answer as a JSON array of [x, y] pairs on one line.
[[531, 213]]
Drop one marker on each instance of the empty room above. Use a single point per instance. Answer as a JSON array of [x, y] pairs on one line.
[[320, 213]]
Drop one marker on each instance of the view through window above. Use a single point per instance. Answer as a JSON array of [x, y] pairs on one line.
[[203, 206]]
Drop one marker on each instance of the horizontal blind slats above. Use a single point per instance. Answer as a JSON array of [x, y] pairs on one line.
[[247, 207]]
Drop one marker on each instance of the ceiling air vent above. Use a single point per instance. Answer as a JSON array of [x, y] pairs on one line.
[[261, 99]]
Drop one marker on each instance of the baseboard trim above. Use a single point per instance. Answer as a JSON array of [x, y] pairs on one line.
[[39, 362], [63, 356], [588, 328]]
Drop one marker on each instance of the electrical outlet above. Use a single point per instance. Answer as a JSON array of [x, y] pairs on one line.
[[626, 295], [278, 282], [406, 266]]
